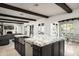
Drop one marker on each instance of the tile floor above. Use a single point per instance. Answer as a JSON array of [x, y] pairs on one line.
[[71, 49]]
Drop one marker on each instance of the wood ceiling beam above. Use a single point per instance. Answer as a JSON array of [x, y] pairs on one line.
[[2, 21], [14, 20], [65, 7], [21, 10], [12, 16], [70, 19]]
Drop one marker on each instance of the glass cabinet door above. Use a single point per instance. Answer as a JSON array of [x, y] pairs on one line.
[[54, 30]]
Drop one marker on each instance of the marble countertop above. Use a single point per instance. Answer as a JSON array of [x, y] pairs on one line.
[[17, 36], [41, 41]]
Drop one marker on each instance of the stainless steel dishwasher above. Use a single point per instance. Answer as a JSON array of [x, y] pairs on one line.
[[28, 49]]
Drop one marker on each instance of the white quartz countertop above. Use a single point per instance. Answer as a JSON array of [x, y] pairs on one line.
[[40, 41], [19, 36]]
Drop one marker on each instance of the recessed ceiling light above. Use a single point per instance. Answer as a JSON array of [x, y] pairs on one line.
[[21, 14], [36, 4]]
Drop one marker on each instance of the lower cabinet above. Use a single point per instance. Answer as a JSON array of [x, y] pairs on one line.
[[23, 50], [54, 49], [20, 48], [37, 51], [42, 51], [62, 48]]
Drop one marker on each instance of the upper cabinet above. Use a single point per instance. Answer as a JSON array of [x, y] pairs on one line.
[[54, 29], [41, 28]]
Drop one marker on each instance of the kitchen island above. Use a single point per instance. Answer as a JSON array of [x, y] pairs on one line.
[[41, 46]]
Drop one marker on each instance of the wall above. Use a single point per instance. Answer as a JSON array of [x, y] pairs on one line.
[[76, 26], [35, 23], [47, 27], [50, 20]]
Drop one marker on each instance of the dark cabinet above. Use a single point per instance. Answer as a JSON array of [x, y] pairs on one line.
[[22, 50], [42, 51], [46, 50], [37, 51], [61, 46], [54, 49], [20, 47], [58, 48], [16, 45]]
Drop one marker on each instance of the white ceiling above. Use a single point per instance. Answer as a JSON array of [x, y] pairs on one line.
[[16, 13], [73, 6], [48, 9]]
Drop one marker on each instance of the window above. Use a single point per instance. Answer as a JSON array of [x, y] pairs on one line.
[[66, 29]]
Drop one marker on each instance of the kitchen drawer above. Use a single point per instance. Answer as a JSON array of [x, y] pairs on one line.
[[37, 53], [36, 48]]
